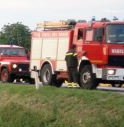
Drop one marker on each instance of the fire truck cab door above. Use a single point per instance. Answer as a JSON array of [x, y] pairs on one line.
[[93, 46]]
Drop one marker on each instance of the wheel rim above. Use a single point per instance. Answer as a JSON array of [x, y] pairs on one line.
[[86, 77], [46, 75], [4, 76]]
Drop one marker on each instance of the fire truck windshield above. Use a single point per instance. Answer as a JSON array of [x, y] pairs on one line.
[[115, 33], [12, 52]]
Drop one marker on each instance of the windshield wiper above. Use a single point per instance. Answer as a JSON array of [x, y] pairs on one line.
[[4, 54], [117, 42], [21, 55], [14, 54], [120, 41]]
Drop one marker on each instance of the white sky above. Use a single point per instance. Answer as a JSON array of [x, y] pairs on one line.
[[30, 12]]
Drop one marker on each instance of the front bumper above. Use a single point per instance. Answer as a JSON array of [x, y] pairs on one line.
[[22, 70], [117, 76], [20, 74]]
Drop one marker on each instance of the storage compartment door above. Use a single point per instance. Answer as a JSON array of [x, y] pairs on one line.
[[49, 50], [63, 44], [36, 48]]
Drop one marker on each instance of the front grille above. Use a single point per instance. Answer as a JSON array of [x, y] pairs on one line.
[[23, 66], [116, 61]]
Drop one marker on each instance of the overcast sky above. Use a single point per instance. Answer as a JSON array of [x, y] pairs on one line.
[[30, 12]]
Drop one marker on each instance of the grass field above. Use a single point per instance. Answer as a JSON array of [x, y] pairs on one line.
[[24, 106]]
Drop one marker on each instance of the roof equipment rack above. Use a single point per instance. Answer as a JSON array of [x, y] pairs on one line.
[[60, 25]]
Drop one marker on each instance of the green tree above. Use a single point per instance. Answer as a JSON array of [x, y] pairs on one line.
[[18, 33]]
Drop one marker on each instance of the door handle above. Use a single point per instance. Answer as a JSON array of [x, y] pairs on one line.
[[48, 57]]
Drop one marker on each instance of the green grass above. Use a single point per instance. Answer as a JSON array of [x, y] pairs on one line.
[[24, 106]]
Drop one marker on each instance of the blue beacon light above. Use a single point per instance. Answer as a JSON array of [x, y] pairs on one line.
[[11, 43]]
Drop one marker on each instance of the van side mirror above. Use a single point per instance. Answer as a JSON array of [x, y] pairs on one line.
[[1, 55], [99, 34]]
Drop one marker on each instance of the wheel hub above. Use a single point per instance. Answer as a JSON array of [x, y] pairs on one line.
[[46, 75], [4, 76], [86, 76]]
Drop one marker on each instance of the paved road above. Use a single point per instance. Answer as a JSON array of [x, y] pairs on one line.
[[103, 88]]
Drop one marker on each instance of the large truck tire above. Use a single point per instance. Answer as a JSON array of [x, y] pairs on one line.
[[87, 78], [5, 76], [46, 75]]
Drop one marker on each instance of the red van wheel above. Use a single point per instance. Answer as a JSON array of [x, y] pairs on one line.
[[4, 75]]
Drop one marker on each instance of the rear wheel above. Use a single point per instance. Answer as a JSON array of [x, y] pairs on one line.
[[46, 75], [87, 78], [5, 76]]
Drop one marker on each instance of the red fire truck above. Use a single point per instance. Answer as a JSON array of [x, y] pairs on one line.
[[102, 40], [13, 63]]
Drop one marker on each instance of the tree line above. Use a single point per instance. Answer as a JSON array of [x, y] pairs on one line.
[[16, 33]]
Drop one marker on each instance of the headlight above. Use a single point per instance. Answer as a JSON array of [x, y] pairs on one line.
[[111, 72], [14, 65], [20, 69]]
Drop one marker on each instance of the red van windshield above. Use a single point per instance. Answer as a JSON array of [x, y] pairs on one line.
[[12, 52]]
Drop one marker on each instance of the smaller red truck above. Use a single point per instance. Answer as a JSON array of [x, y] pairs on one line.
[[13, 63]]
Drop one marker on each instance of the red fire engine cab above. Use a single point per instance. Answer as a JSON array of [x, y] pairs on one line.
[[13, 63], [102, 40]]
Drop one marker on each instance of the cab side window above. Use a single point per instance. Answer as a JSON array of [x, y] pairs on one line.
[[89, 35], [95, 35], [98, 34], [80, 34]]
